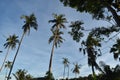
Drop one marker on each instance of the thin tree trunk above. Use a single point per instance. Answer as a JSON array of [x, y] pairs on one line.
[[64, 73], [5, 74], [15, 57], [51, 57], [5, 59], [68, 72], [75, 76], [93, 71]]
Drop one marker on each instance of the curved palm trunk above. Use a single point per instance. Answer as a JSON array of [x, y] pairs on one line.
[[64, 73], [5, 59], [15, 57], [51, 57]]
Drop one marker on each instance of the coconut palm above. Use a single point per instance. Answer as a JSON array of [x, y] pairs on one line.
[[20, 74], [57, 40], [11, 43], [76, 69], [30, 22], [66, 64], [7, 66], [58, 21], [29, 77]]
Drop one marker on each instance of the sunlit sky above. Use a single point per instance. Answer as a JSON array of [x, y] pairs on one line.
[[35, 51]]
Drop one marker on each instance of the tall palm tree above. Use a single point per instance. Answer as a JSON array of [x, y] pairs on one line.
[[91, 43], [11, 42], [76, 69], [66, 64], [58, 21], [7, 66], [30, 22]]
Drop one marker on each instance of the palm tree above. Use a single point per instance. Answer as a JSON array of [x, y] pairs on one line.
[[10, 44], [76, 69], [29, 77], [20, 74], [58, 21], [56, 37], [91, 43], [66, 64], [30, 22], [7, 66]]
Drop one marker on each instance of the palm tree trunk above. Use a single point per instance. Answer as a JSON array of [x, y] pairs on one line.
[[93, 71], [64, 73], [75, 76], [5, 74], [51, 57], [68, 72], [15, 57], [5, 59]]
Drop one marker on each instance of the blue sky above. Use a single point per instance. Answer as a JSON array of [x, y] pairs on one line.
[[35, 51]]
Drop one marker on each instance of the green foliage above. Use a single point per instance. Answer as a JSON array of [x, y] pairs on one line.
[[49, 76], [97, 8], [58, 21], [93, 7], [11, 41], [76, 30], [22, 75], [30, 22], [56, 37], [8, 64], [101, 32], [116, 49], [76, 69]]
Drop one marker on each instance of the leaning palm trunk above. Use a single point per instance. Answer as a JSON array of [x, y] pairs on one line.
[[51, 57], [15, 57], [5, 59]]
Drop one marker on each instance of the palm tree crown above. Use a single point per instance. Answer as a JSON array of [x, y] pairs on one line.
[[11, 41], [30, 22], [76, 69], [66, 62], [56, 38], [8, 64], [58, 21]]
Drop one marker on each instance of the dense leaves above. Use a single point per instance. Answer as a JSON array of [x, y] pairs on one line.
[[22, 75], [76, 30], [30, 22], [11, 41], [116, 49]]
